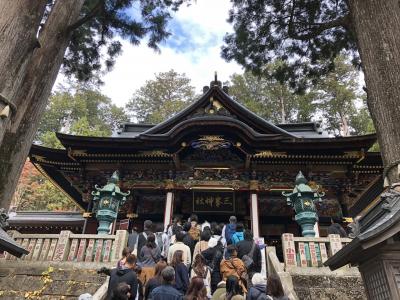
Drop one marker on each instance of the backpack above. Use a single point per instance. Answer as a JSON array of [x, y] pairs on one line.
[[248, 258], [230, 229], [262, 296], [194, 233]]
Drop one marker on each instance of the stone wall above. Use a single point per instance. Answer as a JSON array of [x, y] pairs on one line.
[[45, 281], [325, 287]]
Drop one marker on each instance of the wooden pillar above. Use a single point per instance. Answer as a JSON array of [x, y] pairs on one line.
[[316, 229], [169, 206], [255, 224]]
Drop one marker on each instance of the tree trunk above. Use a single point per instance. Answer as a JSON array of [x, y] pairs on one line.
[[377, 27], [345, 125], [283, 114], [31, 97], [19, 24]]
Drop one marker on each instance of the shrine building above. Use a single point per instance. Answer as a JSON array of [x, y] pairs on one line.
[[215, 159]]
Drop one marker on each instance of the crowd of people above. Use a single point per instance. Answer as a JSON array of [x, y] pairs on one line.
[[193, 262]]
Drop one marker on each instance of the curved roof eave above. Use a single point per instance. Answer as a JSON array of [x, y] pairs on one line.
[[238, 108]]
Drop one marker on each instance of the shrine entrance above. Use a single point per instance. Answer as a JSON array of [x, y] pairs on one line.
[[213, 205]]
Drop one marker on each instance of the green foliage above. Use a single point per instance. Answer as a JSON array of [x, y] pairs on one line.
[[341, 100], [270, 99], [94, 43], [85, 112], [307, 35], [49, 139], [161, 98], [337, 99]]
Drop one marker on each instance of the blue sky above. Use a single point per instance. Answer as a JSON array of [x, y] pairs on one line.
[[193, 49]]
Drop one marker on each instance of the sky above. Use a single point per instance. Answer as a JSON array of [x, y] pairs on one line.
[[193, 49]]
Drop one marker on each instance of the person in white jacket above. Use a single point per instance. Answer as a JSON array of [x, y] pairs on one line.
[[179, 245]]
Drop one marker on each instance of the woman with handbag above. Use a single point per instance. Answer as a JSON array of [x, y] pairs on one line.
[[150, 254], [234, 266]]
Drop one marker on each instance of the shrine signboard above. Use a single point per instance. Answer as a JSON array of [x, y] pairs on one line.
[[213, 201]]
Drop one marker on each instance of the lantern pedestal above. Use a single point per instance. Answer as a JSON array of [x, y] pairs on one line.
[[307, 221], [105, 218]]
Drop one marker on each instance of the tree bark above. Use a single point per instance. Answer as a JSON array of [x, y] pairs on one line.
[[345, 125], [19, 24], [283, 113], [32, 95], [377, 27]]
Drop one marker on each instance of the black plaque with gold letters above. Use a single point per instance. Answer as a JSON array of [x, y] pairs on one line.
[[213, 201]]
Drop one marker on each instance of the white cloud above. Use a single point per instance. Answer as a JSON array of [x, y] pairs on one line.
[[139, 63]]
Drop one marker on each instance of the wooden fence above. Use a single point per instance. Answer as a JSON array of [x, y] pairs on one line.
[[67, 246], [310, 252]]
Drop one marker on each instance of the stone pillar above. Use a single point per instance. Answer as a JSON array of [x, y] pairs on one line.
[[169, 206], [335, 243], [255, 224], [63, 245], [289, 250], [120, 242]]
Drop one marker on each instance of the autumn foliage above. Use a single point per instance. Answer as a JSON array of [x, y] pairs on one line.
[[35, 192]]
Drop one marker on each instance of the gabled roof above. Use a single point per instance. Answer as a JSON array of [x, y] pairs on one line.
[[301, 130], [222, 102]]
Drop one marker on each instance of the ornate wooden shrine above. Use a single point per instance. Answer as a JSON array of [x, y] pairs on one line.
[[217, 158]]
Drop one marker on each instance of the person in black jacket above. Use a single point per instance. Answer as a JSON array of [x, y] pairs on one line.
[[125, 274], [181, 272], [244, 248], [213, 256]]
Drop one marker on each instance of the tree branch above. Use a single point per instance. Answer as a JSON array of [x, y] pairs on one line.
[[96, 9], [314, 32]]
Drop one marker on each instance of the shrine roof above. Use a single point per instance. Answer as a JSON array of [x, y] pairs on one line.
[[9, 245], [380, 223], [46, 217], [216, 113], [234, 109], [301, 130]]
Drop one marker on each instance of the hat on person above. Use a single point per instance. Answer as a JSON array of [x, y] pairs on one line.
[[85, 296], [204, 225], [258, 279], [212, 242]]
